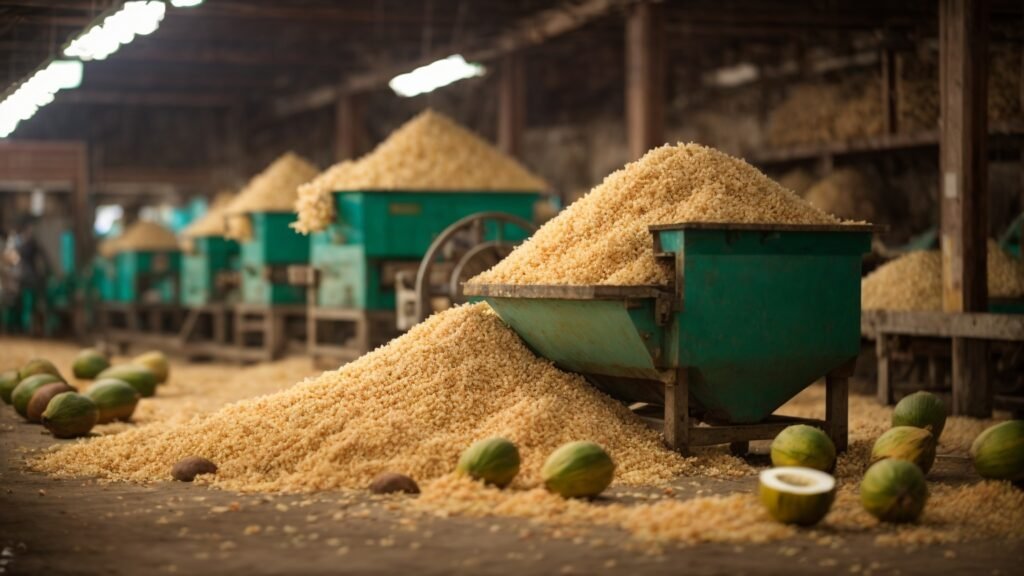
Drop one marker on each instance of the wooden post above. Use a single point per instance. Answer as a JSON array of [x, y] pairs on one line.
[[884, 357], [511, 104], [349, 129], [963, 58], [645, 78], [677, 412], [890, 81], [837, 407]]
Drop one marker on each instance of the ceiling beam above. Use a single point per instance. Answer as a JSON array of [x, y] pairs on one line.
[[530, 31], [160, 99]]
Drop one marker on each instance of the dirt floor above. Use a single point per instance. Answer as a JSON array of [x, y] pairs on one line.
[[83, 526]]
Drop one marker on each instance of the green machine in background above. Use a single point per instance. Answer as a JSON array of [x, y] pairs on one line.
[[369, 269], [754, 314], [265, 257], [209, 271], [146, 277]]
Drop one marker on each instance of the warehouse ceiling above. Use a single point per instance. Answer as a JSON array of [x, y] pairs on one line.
[[279, 65], [225, 50]]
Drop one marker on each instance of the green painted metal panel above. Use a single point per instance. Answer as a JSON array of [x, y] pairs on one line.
[[200, 268], [372, 227], [274, 241], [588, 336], [403, 224], [132, 267]]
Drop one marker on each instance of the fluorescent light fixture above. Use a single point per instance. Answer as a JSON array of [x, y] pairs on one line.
[[435, 75], [133, 19], [185, 3], [38, 91]]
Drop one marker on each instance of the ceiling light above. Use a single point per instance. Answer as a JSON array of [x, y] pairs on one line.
[[185, 3], [38, 91], [133, 19], [435, 75]]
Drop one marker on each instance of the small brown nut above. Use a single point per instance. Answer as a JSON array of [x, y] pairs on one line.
[[41, 399], [188, 468], [391, 482]]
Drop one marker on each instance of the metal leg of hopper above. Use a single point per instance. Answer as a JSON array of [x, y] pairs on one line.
[[837, 389], [882, 351], [677, 412]]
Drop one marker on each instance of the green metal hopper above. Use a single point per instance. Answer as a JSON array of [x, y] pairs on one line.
[[266, 256], [202, 267], [754, 315]]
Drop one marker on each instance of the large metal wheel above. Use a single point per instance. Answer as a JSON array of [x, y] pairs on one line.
[[463, 250]]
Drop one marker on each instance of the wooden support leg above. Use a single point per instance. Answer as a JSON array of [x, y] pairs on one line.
[[270, 334], [677, 412], [837, 391], [218, 317], [972, 389], [883, 351]]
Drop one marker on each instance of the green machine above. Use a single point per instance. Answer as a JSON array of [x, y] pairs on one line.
[[208, 271], [149, 277], [369, 270], [754, 315], [266, 256]]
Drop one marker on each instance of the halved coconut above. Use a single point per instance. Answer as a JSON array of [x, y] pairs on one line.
[[795, 495]]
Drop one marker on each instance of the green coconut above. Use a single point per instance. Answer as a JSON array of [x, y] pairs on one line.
[[894, 491], [70, 415], [139, 377], [493, 460], [23, 392], [794, 495], [921, 410], [998, 452], [157, 362], [38, 366], [804, 446], [116, 399], [8, 380], [578, 470], [915, 445], [41, 399], [88, 363]]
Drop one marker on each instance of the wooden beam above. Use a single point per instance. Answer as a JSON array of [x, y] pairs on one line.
[[963, 63], [980, 325], [531, 31], [162, 99], [511, 104], [350, 138], [645, 78]]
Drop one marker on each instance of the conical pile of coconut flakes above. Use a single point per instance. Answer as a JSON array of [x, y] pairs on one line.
[[429, 152], [603, 238], [272, 190]]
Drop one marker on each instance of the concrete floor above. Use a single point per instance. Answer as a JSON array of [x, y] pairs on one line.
[[60, 526]]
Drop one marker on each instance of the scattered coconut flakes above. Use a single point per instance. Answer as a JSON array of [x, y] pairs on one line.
[[732, 518], [429, 152], [914, 281], [409, 407], [602, 238]]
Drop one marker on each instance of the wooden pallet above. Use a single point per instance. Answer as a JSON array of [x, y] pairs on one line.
[[915, 350], [264, 333], [337, 335], [125, 327], [207, 332]]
